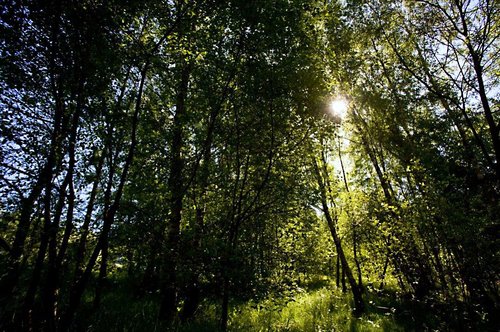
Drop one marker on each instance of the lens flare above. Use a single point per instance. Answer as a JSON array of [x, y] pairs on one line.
[[339, 107]]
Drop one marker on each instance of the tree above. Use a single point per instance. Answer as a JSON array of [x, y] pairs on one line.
[[323, 178]]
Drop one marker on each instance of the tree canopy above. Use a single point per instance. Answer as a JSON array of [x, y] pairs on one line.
[[188, 165]]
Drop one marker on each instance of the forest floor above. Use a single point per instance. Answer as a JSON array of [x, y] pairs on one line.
[[320, 308]]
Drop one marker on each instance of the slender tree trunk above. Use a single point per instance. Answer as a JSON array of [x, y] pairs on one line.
[[225, 305], [27, 310], [48, 305], [353, 225], [101, 279], [493, 127], [440, 270], [337, 279], [356, 291], [9, 281], [105, 153], [193, 292], [53, 272], [434, 88], [356, 260], [80, 252], [168, 306], [77, 290], [384, 271], [401, 264], [344, 286], [105, 243], [48, 231]]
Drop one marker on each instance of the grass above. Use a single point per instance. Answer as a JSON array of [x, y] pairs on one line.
[[120, 312], [324, 308]]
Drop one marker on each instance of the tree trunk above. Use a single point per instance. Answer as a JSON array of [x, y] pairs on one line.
[[101, 280], [193, 292], [356, 292], [225, 305], [493, 127], [353, 225], [53, 273], [81, 247], [168, 306], [356, 260], [344, 286], [27, 310], [77, 291], [411, 270], [337, 279], [384, 271], [9, 281]]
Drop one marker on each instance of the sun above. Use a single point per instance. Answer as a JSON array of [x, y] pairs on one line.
[[339, 107]]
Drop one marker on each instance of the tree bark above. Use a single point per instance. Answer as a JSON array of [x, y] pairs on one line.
[[168, 306], [101, 279], [77, 290], [193, 292], [332, 224], [225, 304], [417, 271], [353, 225], [337, 272], [8, 283], [493, 127]]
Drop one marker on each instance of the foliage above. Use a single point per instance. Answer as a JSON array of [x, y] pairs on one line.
[[181, 157]]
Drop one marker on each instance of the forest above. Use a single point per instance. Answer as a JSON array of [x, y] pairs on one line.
[[249, 165]]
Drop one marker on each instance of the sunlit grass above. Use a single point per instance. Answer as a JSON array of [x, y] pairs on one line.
[[327, 309], [322, 307]]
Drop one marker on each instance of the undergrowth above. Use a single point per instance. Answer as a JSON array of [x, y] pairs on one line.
[[318, 309]]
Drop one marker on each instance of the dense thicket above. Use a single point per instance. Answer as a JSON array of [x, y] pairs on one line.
[[186, 149]]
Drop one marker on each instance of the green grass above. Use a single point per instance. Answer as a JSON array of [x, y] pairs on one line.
[[121, 312], [326, 309]]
